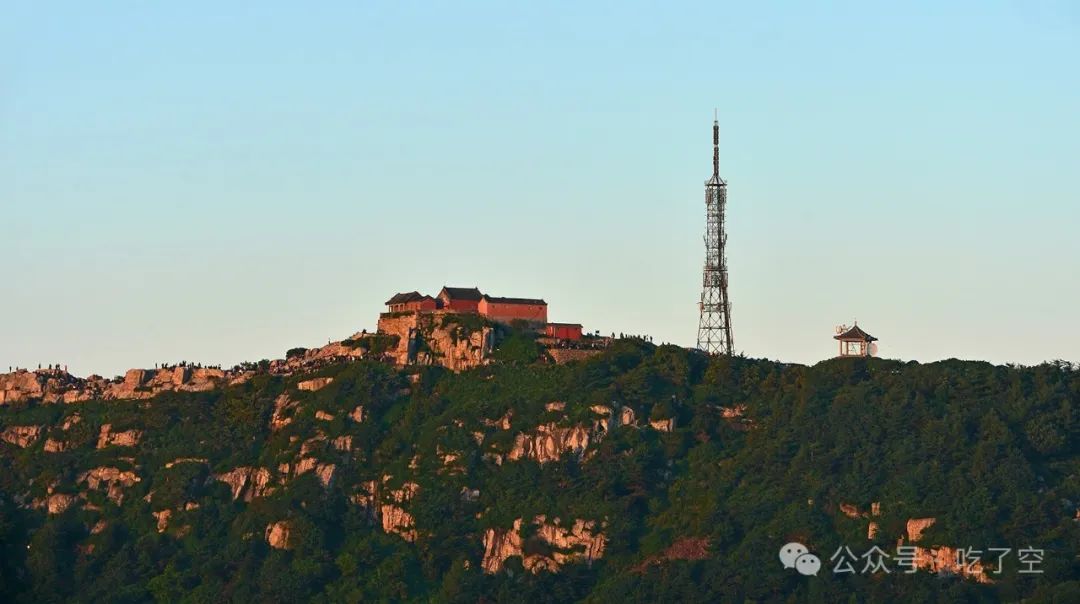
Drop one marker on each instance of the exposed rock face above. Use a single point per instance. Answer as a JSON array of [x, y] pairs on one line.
[[55, 446], [579, 542], [449, 458], [663, 425], [343, 443], [180, 460], [500, 545], [549, 442], [325, 471], [437, 339], [56, 386], [314, 384], [313, 444], [127, 438], [733, 412], [367, 497], [396, 519], [247, 482], [146, 383], [277, 534], [324, 416], [58, 503], [283, 409], [852, 511], [916, 527], [47, 385], [20, 385], [627, 417], [114, 480], [607, 420], [21, 436], [162, 518], [357, 414], [503, 423], [871, 530]]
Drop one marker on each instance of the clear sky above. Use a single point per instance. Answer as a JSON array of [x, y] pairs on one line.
[[219, 182]]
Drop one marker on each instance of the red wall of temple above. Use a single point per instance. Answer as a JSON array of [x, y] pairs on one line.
[[421, 305], [507, 312], [563, 331], [456, 305]]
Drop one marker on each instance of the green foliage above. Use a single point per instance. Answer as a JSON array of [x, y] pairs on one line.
[[991, 452], [378, 343], [518, 346]]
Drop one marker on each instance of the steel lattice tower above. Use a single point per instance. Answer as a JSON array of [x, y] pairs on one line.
[[714, 326]]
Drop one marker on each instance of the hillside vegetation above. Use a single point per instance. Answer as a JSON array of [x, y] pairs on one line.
[[645, 474]]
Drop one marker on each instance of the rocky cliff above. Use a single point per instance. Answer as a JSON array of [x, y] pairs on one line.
[[553, 545], [455, 341], [58, 386]]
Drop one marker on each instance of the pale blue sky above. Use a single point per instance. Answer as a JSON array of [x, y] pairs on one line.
[[219, 184]]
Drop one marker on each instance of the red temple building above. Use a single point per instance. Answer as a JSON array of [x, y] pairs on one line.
[[563, 331], [460, 299], [411, 301], [495, 308], [507, 310]]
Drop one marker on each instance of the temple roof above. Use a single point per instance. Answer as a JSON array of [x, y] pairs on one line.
[[462, 293], [405, 297], [514, 300], [856, 334]]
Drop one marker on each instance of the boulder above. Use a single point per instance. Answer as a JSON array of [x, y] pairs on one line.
[[561, 545], [21, 436], [549, 442], [277, 534], [126, 438], [247, 482], [916, 527], [113, 480], [162, 518], [314, 384], [663, 425]]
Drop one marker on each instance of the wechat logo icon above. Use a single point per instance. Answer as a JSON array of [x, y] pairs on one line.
[[795, 555]]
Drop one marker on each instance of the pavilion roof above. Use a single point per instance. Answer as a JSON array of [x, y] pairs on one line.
[[855, 334], [406, 297]]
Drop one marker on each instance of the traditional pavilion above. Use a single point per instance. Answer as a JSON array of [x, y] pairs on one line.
[[854, 342]]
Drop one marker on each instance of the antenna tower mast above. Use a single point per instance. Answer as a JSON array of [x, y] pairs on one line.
[[714, 326]]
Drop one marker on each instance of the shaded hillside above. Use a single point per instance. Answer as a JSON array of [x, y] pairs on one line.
[[643, 474]]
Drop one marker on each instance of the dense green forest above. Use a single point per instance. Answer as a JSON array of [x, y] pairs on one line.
[[759, 453]]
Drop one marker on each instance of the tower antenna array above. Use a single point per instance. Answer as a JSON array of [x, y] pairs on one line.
[[714, 325]]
